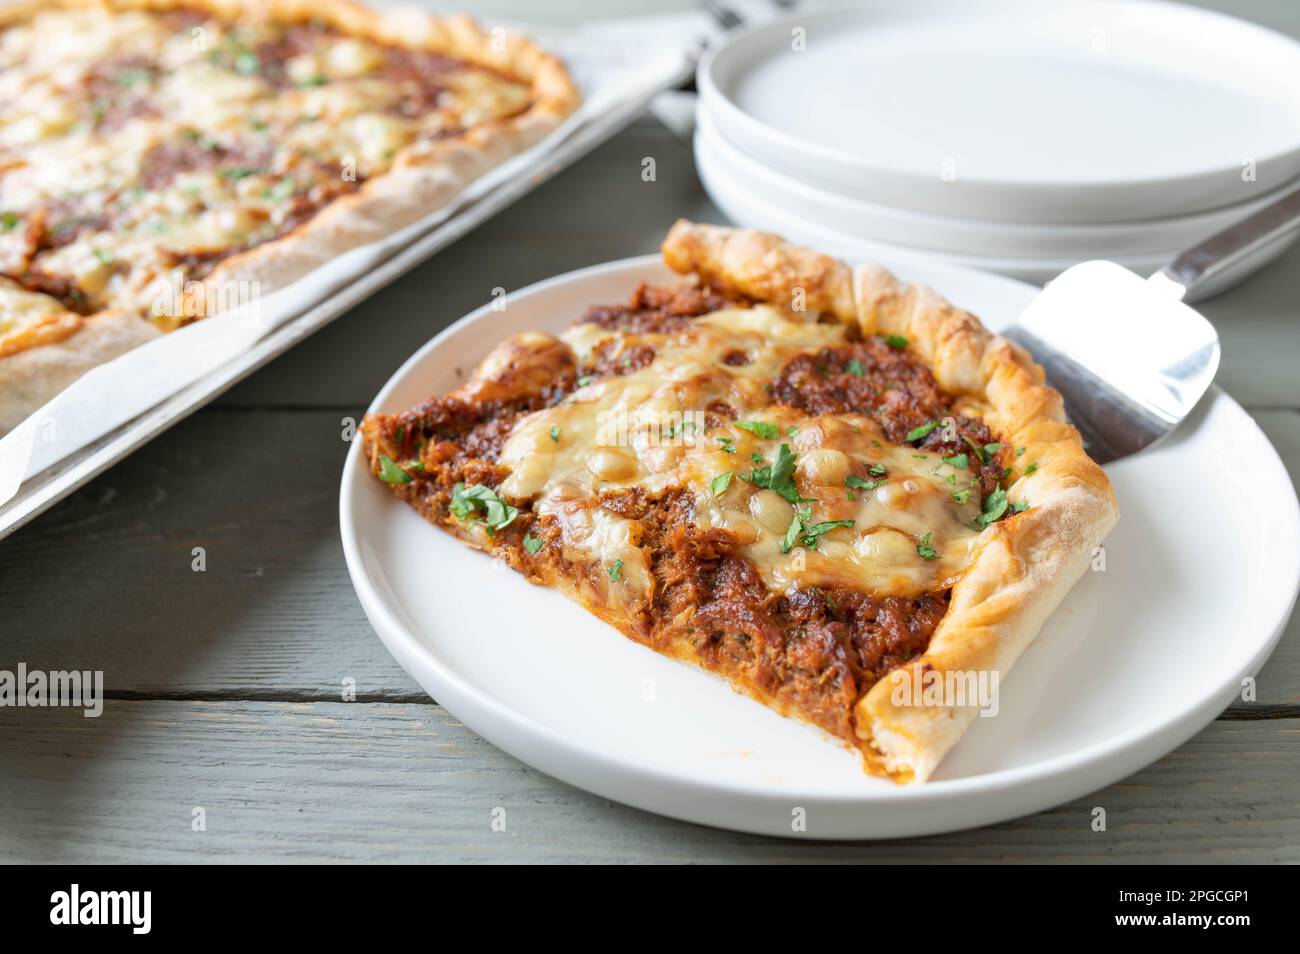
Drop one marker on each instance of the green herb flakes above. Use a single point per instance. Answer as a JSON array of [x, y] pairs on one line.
[[917, 433], [760, 429], [390, 473], [481, 499], [926, 551]]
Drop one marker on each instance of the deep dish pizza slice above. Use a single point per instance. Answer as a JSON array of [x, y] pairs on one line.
[[796, 477]]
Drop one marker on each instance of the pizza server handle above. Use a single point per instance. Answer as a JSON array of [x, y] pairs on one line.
[[1200, 268]]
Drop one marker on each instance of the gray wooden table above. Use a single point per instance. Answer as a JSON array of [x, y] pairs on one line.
[[225, 687]]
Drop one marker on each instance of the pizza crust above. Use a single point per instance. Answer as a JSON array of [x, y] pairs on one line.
[[30, 378], [1021, 568], [424, 177], [763, 267]]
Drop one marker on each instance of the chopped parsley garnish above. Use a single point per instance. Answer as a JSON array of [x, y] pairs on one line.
[[726, 443], [856, 369], [236, 173], [877, 469], [1031, 468], [896, 341], [979, 451], [875, 443], [791, 431], [995, 505], [802, 532], [555, 433], [1020, 507], [481, 499], [779, 477], [992, 449], [616, 571], [390, 473], [9, 221], [916, 433], [812, 534], [585, 380], [960, 461], [792, 534], [926, 551], [760, 429], [719, 484], [1019, 451], [961, 496], [317, 80], [857, 483], [247, 63], [532, 544]]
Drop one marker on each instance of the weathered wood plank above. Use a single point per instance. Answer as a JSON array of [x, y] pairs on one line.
[[104, 580], [383, 782], [1259, 328]]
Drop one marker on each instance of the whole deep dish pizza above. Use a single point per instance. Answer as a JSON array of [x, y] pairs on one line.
[[163, 159], [820, 484]]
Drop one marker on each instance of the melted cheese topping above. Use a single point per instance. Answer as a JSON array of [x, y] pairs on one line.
[[648, 429], [87, 96], [21, 309]]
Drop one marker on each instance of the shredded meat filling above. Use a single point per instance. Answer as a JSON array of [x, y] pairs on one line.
[[812, 651], [889, 384], [653, 310], [818, 650]]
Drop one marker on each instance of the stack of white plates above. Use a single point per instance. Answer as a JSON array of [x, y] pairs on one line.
[[1014, 136]]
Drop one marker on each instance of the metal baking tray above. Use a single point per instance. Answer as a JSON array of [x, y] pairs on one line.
[[43, 490]]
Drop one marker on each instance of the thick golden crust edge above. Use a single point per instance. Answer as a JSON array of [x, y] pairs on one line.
[[1021, 568], [761, 266], [423, 178]]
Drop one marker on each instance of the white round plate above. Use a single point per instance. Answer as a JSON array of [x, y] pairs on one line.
[[1016, 110], [1200, 576], [744, 207], [1162, 238]]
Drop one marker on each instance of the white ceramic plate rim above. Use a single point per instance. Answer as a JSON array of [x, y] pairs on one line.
[[750, 210], [1164, 237], [727, 107], [1102, 762]]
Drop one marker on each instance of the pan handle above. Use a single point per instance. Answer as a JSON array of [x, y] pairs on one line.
[[1196, 266]]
